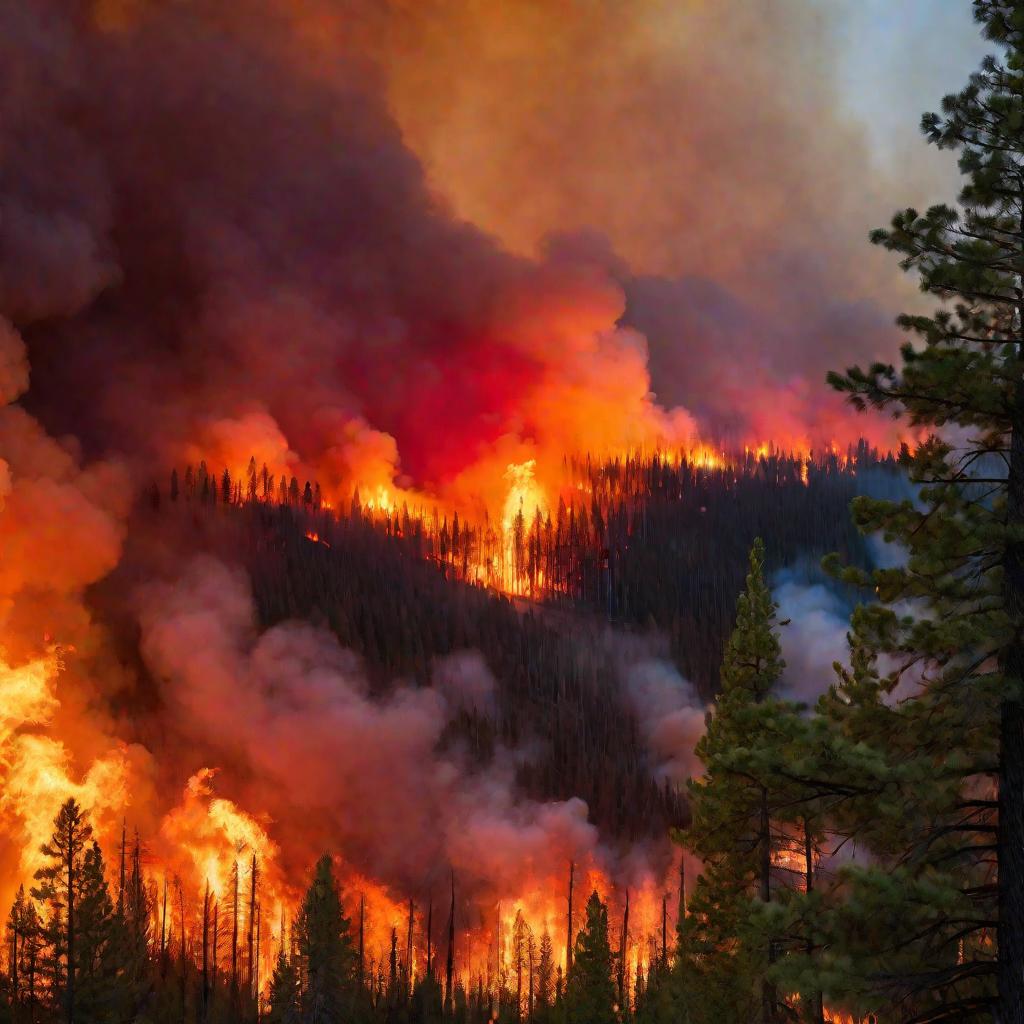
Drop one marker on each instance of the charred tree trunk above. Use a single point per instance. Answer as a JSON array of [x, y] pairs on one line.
[[163, 932], [234, 936], [817, 1004], [251, 938], [408, 948], [184, 953], [568, 922], [681, 919], [449, 994], [120, 883], [1011, 745], [139, 911], [529, 997], [213, 951], [767, 988], [430, 935], [664, 930], [623, 950], [69, 994], [362, 939], [206, 951], [256, 981], [14, 961]]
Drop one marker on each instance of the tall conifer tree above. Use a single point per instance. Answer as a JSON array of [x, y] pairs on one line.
[[732, 805], [590, 990], [329, 961], [950, 620]]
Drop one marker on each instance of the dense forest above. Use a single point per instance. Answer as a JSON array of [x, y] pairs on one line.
[[658, 550], [80, 949]]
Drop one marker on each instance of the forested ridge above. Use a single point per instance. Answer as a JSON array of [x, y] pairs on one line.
[[656, 550], [80, 948]]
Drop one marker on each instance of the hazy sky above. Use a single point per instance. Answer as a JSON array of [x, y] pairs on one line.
[[897, 58]]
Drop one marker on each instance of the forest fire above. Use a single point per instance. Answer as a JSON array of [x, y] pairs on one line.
[[425, 533], [35, 766], [212, 855], [209, 859]]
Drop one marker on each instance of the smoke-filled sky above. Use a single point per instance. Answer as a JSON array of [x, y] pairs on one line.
[[410, 242], [307, 229]]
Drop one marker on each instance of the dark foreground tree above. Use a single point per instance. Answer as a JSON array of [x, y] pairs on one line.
[[284, 993], [733, 807], [590, 991], [60, 886], [329, 959], [948, 633]]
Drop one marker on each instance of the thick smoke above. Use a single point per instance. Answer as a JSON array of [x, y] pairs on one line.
[[814, 638], [290, 713], [253, 229], [708, 144], [218, 238], [670, 715], [256, 265]]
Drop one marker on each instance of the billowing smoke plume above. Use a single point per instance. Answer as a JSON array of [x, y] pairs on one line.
[[707, 143], [272, 228], [218, 237], [288, 713], [670, 715], [216, 241], [814, 637]]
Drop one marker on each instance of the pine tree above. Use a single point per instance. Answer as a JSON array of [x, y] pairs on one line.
[[949, 620], [329, 961], [100, 953], [520, 938], [61, 887], [731, 827], [284, 993], [545, 978], [16, 924], [590, 991]]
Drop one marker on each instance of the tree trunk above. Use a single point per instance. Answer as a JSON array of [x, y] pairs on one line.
[[163, 932], [408, 950], [623, 951], [362, 939], [568, 923], [206, 951], [449, 994], [1011, 752], [1010, 837], [767, 988], [251, 943], [120, 886], [430, 935], [817, 1005], [14, 963], [184, 954], [664, 930], [213, 952], [70, 993], [234, 937]]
